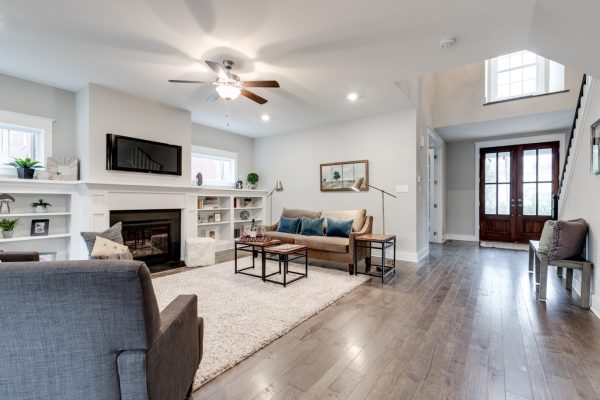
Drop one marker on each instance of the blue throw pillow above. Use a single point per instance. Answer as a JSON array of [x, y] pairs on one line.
[[312, 227], [339, 227], [288, 225]]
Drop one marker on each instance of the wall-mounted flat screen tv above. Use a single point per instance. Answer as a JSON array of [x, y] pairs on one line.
[[137, 155]]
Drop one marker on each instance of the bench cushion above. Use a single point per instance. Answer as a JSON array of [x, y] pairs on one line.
[[568, 239]]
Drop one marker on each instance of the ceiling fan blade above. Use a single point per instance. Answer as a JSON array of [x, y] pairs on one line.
[[219, 69], [183, 81], [253, 96], [214, 96], [271, 84]]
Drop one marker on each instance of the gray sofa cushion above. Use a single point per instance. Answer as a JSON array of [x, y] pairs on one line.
[[113, 233], [547, 236], [568, 239]]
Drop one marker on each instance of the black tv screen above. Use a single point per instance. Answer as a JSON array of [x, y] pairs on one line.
[[137, 155]]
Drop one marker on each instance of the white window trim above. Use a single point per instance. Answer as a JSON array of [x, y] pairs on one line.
[[46, 125], [201, 150]]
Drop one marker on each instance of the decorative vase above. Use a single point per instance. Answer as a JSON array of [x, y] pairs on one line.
[[7, 234], [4, 207], [25, 173], [40, 209], [199, 179]]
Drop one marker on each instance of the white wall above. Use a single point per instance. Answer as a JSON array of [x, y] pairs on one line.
[[582, 192], [110, 111], [460, 97], [388, 141], [218, 139], [26, 97]]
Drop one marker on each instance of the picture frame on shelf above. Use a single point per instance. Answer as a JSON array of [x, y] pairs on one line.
[[212, 233], [48, 256], [340, 176], [595, 148], [217, 217], [40, 227]]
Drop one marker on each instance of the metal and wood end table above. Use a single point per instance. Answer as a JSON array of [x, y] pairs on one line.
[[381, 242], [254, 247], [286, 253]]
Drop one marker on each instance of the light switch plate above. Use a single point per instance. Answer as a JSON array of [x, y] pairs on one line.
[[401, 188]]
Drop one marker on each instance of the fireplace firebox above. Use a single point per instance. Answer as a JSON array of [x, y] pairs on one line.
[[153, 236]]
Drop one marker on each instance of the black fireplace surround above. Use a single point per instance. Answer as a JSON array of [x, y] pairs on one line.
[[153, 236]]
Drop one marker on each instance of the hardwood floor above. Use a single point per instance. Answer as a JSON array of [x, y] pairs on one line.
[[463, 324]]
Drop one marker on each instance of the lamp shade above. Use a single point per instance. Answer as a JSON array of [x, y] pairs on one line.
[[357, 184], [279, 186]]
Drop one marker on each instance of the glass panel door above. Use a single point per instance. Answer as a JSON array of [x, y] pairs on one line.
[[537, 182], [497, 183]]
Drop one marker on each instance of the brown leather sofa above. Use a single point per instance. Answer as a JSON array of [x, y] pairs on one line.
[[324, 247]]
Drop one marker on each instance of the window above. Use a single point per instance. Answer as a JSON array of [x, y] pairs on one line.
[[218, 167], [24, 136], [522, 74]]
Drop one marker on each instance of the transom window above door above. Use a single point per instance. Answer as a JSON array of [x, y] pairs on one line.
[[522, 74]]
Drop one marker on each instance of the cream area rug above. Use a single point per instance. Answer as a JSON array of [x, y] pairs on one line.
[[505, 245], [242, 314]]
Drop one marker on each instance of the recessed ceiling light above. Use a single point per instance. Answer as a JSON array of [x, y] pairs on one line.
[[353, 96], [265, 117]]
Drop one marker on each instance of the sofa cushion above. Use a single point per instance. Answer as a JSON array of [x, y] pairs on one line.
[[107, 249], [568, 239], [359, 217], [284, 237], [325, 243], [113, 234], [288, 225], [291, 213], [339, 227], [311, 227], [547, 236]]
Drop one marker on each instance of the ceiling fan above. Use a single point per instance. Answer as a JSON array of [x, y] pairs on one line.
[[229, 86]]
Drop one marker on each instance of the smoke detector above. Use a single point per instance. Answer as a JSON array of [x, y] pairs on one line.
[[447, 42]]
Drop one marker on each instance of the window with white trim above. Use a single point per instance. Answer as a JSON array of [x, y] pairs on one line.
[[22, 136], [522, 74], [218, 167]]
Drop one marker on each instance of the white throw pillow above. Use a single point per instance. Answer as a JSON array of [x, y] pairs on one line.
[[104, 248]]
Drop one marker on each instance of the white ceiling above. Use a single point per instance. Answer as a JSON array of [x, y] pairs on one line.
[[318, 50], [541, 122]]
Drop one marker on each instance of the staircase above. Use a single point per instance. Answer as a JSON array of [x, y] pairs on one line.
[[575, 137]]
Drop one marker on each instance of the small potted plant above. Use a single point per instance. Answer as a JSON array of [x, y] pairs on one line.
[[40, 206], [252, 179], [25, 167], [8, 226]]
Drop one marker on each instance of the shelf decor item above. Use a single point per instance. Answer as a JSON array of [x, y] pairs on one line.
[[25, 167], [245, 215], [199, 179], [40, 227], [252, 179], [40, 206], [340, 176], [5, 200], [217, 217], [8, 226]]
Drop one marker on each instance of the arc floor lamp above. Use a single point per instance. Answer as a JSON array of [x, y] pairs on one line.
[[278, 188], [356, 187]]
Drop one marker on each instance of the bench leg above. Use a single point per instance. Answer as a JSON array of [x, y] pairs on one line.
[[559, 271], [586, 285], [543, 267], [569, 284], [536, 262], [531, 257]]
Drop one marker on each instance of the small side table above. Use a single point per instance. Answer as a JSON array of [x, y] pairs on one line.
[[254, 248], [374, 241], [285, 254]]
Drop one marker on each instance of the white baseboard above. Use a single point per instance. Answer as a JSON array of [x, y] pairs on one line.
[[466, 238], [412, 256]]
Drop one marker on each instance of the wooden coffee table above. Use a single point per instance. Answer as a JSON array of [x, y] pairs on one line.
[[257, 247], [375, 241], [285, 253]]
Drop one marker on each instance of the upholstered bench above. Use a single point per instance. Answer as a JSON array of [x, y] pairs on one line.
[[538, 264]]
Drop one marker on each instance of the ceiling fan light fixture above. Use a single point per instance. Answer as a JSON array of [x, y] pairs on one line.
[[228, 92], [353, 96], [265, 117]]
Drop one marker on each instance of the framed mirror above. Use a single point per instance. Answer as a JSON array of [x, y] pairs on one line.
[[595, 156]]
